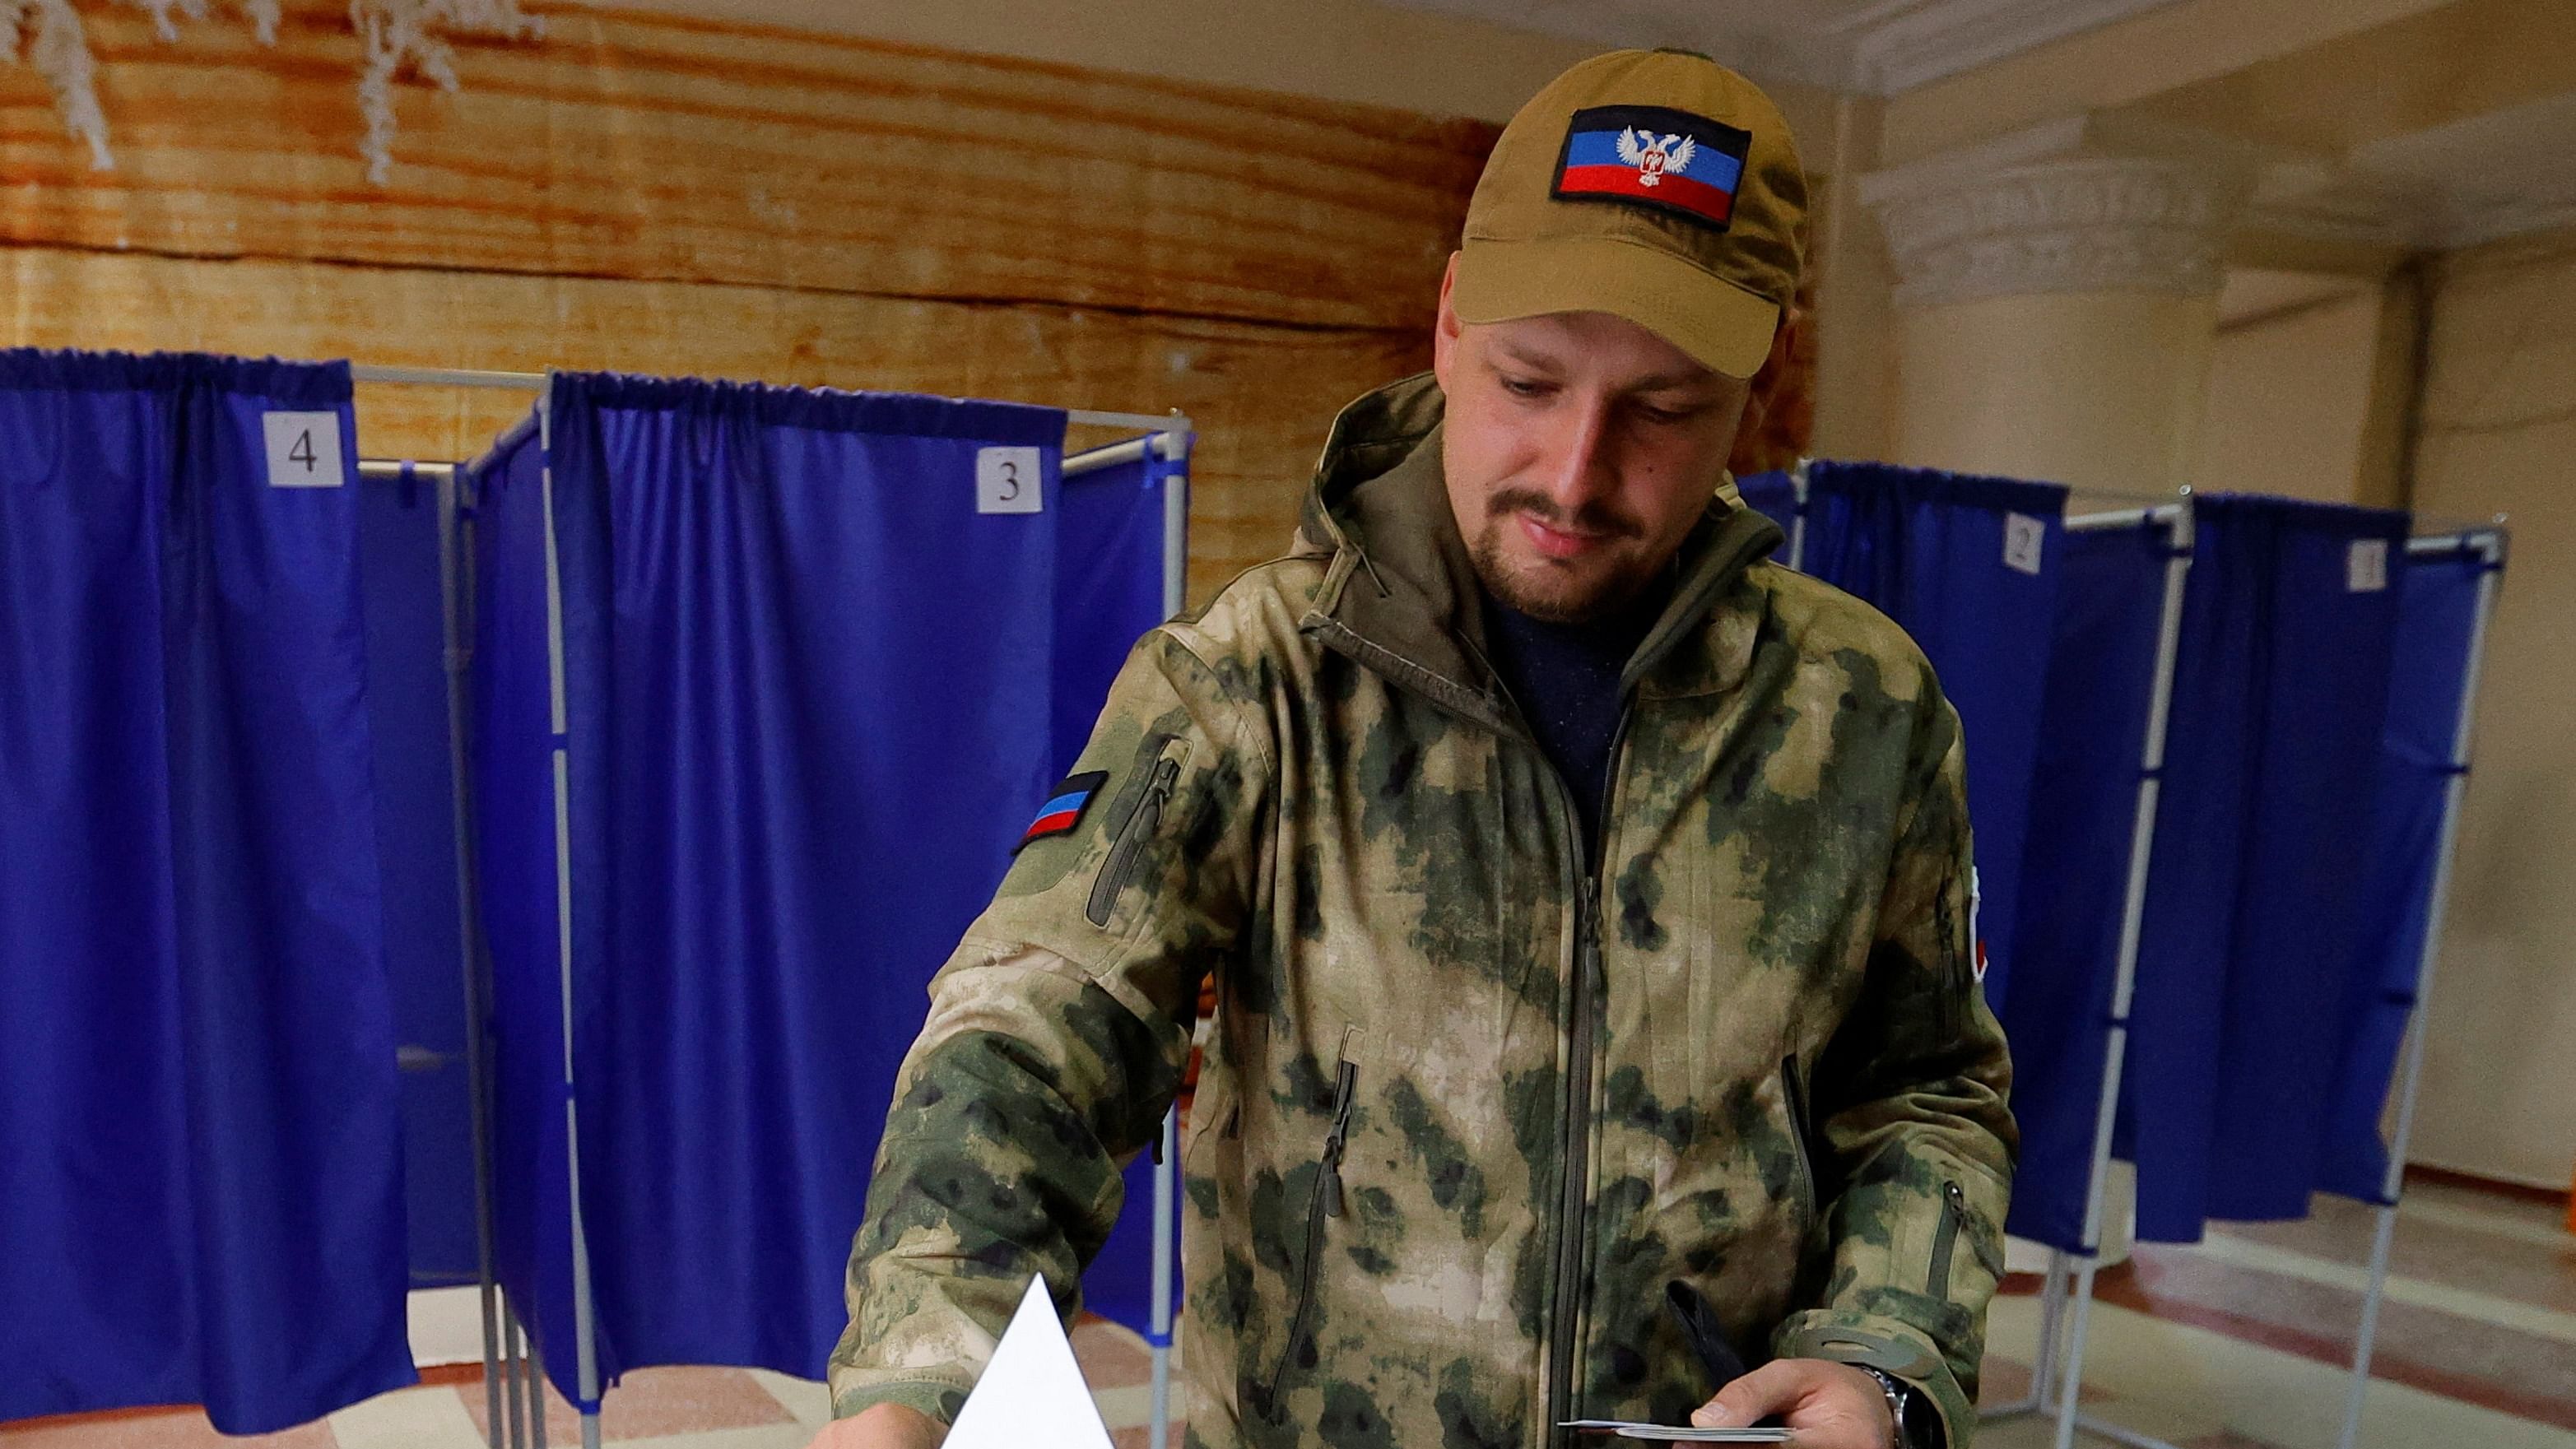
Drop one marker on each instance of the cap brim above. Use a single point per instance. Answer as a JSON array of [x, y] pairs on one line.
[[1721, 325]]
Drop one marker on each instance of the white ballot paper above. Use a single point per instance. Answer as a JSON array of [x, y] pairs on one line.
[[1031, 1395], [1673, 1434]]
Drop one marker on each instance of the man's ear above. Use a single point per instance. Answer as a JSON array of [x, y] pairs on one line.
[[1444, 330], [1771, 377], [1774, 372]]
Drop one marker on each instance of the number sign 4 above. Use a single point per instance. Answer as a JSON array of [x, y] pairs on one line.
[[303, 450]]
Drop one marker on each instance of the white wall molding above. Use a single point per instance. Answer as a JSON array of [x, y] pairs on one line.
[[1879, 46], [2065, 207], [1900, 44], [2359, 204]]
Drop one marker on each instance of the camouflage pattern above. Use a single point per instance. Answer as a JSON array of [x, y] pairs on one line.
[[1469, 1104]]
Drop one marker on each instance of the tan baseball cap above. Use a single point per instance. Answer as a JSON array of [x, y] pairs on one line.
[[1656, 185]]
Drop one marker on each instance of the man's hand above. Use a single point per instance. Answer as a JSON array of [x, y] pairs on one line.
[[883, 1426], [1831, 1405]]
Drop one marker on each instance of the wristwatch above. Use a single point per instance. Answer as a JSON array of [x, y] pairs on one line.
[[1898, 1395]]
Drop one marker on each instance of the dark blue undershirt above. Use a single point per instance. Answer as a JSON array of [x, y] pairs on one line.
[[1565, 678]]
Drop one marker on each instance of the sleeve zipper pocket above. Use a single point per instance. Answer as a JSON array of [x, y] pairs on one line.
[[1138, 828], [1325, 1202], [1953, 1208]]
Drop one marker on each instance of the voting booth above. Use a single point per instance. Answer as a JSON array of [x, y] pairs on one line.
[[522, 874], [2205, 943], [766, 687]]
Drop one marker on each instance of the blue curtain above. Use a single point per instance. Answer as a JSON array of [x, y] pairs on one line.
[[812, 694], [1110, 547], [2434, 628], [2247, 985], [1108, 587], [202, 1197], [511, 772], [401, 598], [2083, 793], [1967, 566], [1775, 496]]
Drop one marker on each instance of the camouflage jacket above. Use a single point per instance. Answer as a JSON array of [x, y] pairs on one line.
[[1475, 1093]]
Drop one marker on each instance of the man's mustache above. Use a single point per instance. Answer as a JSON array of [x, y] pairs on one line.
[[1594, 519]]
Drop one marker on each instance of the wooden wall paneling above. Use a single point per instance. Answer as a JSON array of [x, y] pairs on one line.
[[659, 148]]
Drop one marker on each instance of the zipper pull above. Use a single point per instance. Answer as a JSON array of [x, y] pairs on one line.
[[1345, 1087]]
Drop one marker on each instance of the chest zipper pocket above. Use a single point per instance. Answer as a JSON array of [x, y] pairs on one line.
[[1129, 835], [1793, 1091], [1324, 1202]]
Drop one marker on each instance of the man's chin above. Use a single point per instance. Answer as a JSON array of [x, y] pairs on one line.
[[1551, 593]]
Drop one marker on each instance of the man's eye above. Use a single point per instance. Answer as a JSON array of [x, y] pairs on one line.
[[1663, 417], [1524, 387]]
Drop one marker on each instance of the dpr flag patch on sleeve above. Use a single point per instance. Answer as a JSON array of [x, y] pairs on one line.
[[1064, 807], [1655, 157]]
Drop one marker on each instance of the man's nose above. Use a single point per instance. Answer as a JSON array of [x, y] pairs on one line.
[[1580, 470]]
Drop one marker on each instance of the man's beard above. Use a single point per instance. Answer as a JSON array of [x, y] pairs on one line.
[[1530, 593]]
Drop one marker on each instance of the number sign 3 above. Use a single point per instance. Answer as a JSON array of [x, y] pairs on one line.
[[1007, 480]]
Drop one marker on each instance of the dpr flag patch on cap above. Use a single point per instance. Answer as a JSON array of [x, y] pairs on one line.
[[1653, 156], [1064, 807]]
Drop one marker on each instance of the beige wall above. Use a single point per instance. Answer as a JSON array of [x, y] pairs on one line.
[[1855, 284], [2289, 399], [2500, 436], [2105, 387]]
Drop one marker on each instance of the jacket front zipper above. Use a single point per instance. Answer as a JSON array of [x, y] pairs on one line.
[[1574, 1160], [1130, 843], [1574, 1127], [1574, 1131], [1324, 1202]]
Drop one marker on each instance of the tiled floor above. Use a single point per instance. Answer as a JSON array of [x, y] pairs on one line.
[[2237, 1343], [2246, 1336]]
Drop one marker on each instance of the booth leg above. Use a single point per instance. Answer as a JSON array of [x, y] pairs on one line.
[[514, 1377], [1165, 1175], [2052, 1322], [2052, 1330], [2490, 548]]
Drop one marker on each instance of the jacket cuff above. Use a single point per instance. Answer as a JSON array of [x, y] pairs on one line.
[[939, 1401], [1891, 1346]]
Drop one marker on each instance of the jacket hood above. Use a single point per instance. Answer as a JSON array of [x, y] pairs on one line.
[[1400, 593]]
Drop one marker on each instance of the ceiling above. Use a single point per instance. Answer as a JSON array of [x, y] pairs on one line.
[[2447, 126], [1875, 46], [2503, 173]]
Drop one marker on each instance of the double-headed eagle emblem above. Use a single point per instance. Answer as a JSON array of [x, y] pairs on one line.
[[1655, 158]]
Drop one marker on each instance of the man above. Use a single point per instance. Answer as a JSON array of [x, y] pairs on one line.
[[1588, 902]]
